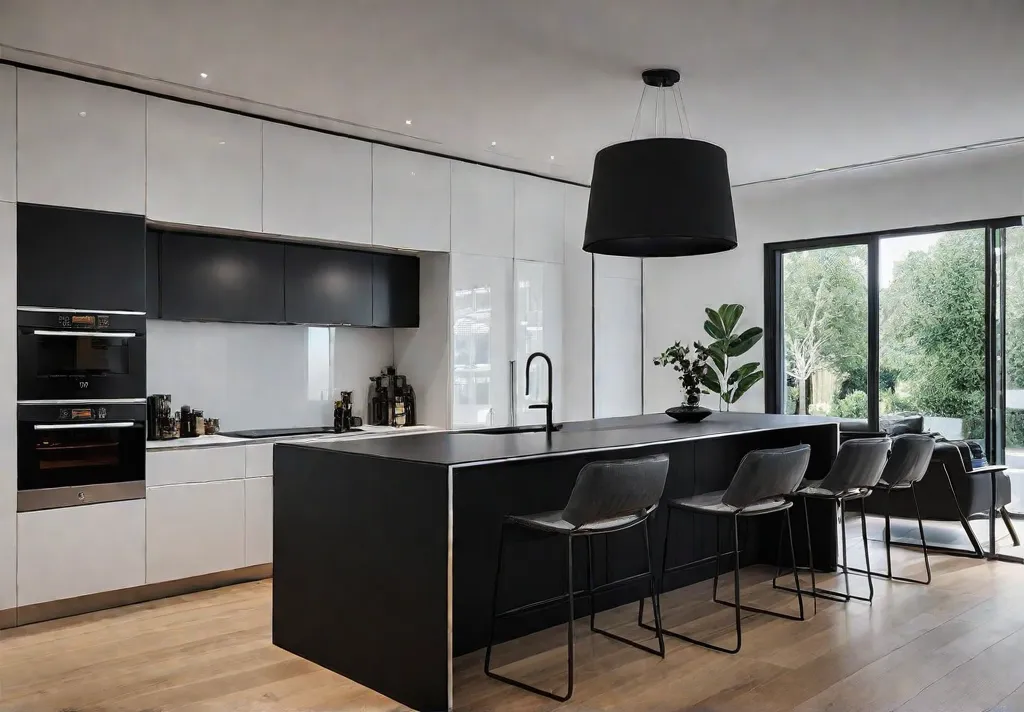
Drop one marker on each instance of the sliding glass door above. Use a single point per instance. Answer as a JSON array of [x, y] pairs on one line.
[[932, 336], [921, 330], [825, 331]]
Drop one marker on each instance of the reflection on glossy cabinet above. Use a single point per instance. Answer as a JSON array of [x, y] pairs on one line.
[[80, 145], [539, 219], [618, 340], [411, 200], [204, 166], [577, 306], [483, 201], [481, 340], [8, 139], [75, 551], [538, 327], [315, 185], [194, 529], [259, 520], [8, 394]]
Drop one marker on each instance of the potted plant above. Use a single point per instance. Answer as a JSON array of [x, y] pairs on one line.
[[721, 325], [691, 367]]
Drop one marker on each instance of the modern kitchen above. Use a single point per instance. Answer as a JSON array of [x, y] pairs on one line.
[[329, 387]]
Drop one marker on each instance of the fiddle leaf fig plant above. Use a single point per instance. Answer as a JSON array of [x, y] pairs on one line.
[[721, 325], [691, 370]]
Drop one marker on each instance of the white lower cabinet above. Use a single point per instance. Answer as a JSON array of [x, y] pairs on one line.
[[259, 520], [203, 464], [194, 529], [76, 551]]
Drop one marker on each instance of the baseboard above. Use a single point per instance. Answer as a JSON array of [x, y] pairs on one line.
[[36, 613], [8, 618]]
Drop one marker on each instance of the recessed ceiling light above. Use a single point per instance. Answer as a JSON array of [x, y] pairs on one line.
[[961, 148], [408, 122], [494, 143], [221, 143], [820, 169], [552, 158], [82, 114], [203, 75]]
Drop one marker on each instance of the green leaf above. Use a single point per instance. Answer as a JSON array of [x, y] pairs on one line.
[[713, 326], [746, 383], [743, 371], [718, 356], [739, 345], [711, 382], [731, 314]]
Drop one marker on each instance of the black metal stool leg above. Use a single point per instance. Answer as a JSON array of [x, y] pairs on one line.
[[797, 591], [590, 582], [494, 601], [924, 545], [867, 555], [888, 533], [569, 628], [810, 554]]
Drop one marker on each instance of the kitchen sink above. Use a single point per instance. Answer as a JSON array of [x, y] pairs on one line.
[[513, 429]]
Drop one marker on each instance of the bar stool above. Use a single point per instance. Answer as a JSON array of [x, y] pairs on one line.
[[911, 455], [608, 497], [758, 487], [857, 468]]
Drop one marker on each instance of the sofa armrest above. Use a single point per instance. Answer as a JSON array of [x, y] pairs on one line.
[[987, 469]]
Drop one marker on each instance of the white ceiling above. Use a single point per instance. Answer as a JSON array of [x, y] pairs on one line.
[[786, 86]]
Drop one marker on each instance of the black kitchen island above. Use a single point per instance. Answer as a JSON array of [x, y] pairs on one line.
[[385, 550]]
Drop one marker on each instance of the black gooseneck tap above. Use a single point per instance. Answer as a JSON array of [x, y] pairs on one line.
[[550, 428]]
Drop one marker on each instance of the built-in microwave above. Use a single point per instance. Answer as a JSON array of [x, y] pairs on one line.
[[80, 453], [71, 354]]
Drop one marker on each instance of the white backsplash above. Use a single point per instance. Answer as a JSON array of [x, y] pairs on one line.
[[263, 376]]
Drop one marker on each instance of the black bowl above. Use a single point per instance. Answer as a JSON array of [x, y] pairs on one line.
[[688, 413]]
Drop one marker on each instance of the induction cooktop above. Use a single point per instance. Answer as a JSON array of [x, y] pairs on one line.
[[282, 432]]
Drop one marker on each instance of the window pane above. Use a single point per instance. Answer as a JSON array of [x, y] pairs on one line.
[[825, 333], [932, 333], [1014, 424]]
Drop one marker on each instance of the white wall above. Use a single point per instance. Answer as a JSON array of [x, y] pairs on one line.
[[263, 376], [423, 355], [972, 185]]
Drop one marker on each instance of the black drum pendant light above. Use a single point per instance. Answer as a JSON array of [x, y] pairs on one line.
[[661, 196]]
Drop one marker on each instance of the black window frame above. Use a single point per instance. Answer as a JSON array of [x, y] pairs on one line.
[[995, 317]]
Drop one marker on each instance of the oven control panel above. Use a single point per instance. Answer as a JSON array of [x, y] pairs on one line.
[[83, 321], [79, 414]]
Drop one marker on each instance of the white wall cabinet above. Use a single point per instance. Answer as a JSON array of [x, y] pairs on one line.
[[539, 219], [481, 301], [194, 529], [259, 520], [203, 464], [76, 551], [81, 145], [316, 185], [538, 327], [577, 310], [483, 210], [8, 135], [411, 200], [204, 167], [618, 347], [8, 408]]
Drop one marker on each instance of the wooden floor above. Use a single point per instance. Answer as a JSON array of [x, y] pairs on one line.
[[957, 645]]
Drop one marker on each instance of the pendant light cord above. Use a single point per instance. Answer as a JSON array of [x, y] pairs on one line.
[[677, 96], [639, 108], [661, 112]]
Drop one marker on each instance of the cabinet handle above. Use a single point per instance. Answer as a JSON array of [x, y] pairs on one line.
[[512, 392]]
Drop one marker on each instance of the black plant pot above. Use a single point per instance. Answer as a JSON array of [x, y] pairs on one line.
[[688, 413]]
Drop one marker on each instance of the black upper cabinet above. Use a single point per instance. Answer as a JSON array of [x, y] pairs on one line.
[[221, 279], [396, 290], [81, 259], [152, 274], [328, 286]]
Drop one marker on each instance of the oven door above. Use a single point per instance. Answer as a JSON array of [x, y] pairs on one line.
[[73, 356], [80, 454]]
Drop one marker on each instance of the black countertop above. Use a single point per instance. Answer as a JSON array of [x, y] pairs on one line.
[[461, 448]]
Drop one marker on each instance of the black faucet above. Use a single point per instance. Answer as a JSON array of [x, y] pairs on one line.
[[550, 428]]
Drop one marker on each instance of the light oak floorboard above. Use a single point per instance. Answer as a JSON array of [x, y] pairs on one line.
[[954, 646]]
